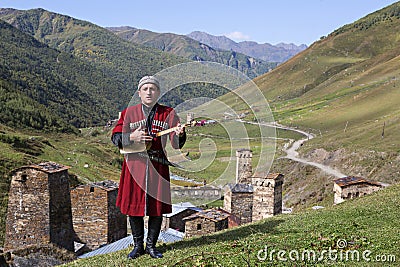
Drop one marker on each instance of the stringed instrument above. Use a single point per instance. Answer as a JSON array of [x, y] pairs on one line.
[[140, 147]]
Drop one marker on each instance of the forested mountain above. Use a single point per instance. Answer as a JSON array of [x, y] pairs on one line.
[[268, 52], [117, 58], [184, 46], [43, 88], [110, 65]]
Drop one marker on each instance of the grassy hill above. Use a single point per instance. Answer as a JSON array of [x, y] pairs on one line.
[[184, 46], [352, 228], [348, 78], [344, 89]]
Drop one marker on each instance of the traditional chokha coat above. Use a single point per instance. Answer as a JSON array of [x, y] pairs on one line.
[[144, 188]]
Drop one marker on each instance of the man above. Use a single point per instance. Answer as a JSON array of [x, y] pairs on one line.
[[144, 188]]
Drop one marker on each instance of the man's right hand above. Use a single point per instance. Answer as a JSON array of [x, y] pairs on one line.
[[140, 136]]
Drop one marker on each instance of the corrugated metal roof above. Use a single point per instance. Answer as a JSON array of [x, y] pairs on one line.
[[170, 236], [179, 207], [167, 236]]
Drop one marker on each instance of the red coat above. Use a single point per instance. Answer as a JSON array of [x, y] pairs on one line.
[[144, 188]]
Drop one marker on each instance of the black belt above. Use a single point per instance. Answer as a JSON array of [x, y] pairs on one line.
[[155, 155]]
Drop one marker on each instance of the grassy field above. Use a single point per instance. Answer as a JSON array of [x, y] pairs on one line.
[[359, 232]]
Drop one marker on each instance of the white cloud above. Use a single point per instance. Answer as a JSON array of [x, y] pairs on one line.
[[237, 36]]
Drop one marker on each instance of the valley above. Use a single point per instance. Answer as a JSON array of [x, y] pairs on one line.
[[330, 110]]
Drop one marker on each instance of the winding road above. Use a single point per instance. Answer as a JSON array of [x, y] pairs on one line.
[[292, 154]]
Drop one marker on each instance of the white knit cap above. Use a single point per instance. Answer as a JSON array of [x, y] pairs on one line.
[[149, 79]]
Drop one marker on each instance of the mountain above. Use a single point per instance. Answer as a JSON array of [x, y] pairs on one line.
[[344, 90], [45, 89], [109, 55], [270, 53], [184, 46]]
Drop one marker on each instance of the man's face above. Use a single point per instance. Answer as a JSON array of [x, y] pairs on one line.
[[149, 94]]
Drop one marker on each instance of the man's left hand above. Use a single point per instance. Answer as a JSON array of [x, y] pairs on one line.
[[180, 129]]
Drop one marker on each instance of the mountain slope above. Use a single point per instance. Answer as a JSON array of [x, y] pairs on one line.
[[44, 89], [350, 76], [186, 47], [343, 89], [271, 53], [113, 57]]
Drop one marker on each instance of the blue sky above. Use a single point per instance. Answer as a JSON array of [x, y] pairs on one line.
[[268, 21]]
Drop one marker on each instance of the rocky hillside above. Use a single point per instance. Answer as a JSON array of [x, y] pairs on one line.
[[268, 52]]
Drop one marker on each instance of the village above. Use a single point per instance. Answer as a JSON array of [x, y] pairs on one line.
[[43, 209]]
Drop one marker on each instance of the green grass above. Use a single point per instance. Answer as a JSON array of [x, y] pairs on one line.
[[368, 223]]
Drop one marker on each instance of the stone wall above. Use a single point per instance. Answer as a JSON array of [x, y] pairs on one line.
[[353, 191], [243, 166], [176, 222], [96, 219], [61, 225], [240, 205], [202, 226], [117, 222], [267, 198], [203, 192], [39, 209]]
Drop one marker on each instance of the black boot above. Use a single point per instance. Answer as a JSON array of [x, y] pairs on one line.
[[152, 236], [137, 226]]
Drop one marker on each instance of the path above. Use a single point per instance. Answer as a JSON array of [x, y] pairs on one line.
[[292, 154]]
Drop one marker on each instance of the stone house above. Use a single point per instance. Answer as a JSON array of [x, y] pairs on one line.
[[206, 222], [174, 220], [253, 197], [96, 219], [351, 187], [39, 207], [238, 200]]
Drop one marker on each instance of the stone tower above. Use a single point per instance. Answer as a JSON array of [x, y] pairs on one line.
[[97, 221], [267, 196], [238, 201], [243, 166], [39, 207]]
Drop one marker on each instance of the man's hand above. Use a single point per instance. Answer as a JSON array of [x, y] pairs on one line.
[[180, 129], [140, 136]]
